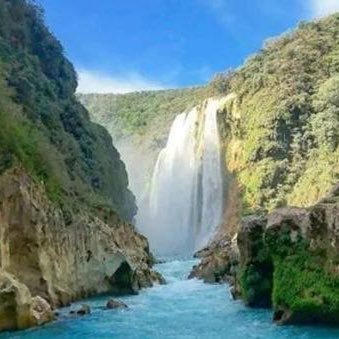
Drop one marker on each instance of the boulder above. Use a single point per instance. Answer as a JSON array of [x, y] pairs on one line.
[[304, 244], [15, 304], [83, 310], [114, 303], [18, 310], [41, 311], [216, 262]]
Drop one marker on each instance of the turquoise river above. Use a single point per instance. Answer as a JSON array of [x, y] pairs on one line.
[[181, 309]]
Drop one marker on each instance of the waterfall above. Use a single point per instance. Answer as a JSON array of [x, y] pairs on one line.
[[185, 200]]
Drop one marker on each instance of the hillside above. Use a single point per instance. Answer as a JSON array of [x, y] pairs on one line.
[[43, 127], [280, 129], [281, 123], [141, 113]]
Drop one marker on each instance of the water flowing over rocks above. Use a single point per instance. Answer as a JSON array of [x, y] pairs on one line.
[[61, 261], [186, 196], [84, 309]]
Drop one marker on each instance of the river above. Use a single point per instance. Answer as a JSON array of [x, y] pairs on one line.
[[181, 309]]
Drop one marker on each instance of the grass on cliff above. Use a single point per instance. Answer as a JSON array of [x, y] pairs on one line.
[[22, 144]]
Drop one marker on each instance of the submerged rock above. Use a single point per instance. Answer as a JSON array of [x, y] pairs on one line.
[[114, 303], [83, 310]]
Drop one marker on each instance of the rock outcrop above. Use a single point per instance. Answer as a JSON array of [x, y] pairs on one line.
[[61, 260], [255, 274], [287, 260], [18, 310], [216, 262], [304, 245]]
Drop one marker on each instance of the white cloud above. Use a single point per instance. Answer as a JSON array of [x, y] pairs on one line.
[[98, 82], [320, 8]]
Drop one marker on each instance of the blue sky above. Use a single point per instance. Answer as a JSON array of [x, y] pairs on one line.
[[126, 45]]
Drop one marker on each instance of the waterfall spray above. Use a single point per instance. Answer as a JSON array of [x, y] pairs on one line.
[[185, 201]]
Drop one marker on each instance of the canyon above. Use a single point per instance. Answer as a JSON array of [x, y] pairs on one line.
[[242, 172]]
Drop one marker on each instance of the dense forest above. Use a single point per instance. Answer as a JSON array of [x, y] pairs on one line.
[[43, 126], [148, 114]]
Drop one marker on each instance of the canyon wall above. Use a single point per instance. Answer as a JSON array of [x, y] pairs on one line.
[[65, 205], [63, 259]]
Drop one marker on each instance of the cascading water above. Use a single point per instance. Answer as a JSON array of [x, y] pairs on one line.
[[185, 201]]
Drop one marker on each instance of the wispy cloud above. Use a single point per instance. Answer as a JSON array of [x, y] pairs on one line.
[[98, 82], [320, 8]]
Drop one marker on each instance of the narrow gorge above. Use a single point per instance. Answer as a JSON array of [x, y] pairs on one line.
[[210, 211]]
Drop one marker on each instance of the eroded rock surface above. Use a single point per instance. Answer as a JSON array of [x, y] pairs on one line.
[[62, 261], [216, 262], [18, 310]]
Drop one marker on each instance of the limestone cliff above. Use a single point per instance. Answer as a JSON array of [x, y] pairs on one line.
[[18, 309], [63, 259], [279, 125]]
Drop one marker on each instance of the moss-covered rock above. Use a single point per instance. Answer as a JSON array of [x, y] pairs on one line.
[[305, 249], [256, 268], [289, 260]]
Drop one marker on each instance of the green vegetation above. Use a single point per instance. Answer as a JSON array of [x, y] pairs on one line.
[[148, 114], [256, 285], [302, 282], [256, 269], [43, 127], [284, 121], [280, 128]]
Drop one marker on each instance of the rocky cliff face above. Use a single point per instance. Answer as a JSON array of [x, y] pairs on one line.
[[287, 260], [63, 259], [65, 205], [18, 309]]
